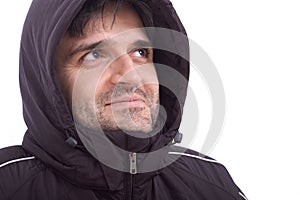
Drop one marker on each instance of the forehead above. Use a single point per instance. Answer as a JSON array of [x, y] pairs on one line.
[[124, 25], [111, 21]]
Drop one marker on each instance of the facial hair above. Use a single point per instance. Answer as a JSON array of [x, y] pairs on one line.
[[129, 119]]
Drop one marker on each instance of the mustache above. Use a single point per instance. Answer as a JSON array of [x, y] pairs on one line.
[[121, 90]]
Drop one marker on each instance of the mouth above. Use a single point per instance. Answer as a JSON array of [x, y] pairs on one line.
[[127, 101]]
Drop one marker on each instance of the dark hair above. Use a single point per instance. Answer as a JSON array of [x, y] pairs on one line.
[[94, 8]]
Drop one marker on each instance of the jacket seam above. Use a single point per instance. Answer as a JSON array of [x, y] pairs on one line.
[[25, 182], [242, 195], [195, 156], [16, 161], [67, 193], [213, 184], [2, 192]]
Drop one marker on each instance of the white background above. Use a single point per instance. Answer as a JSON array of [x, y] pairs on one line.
[[255, 46]]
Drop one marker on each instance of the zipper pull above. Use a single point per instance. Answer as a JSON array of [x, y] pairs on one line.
[[133, 165]]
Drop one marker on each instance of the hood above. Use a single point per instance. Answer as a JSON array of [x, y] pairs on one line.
[[46, 114]]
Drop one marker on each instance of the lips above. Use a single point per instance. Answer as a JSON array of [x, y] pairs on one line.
[[126, 99]]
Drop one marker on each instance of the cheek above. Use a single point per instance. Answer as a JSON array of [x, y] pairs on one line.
[[153, 91], [148, 74], [67, 78], [151, 82], [103, 82]]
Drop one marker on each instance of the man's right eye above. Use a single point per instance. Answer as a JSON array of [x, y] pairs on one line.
[[95, 58], [92, 56]]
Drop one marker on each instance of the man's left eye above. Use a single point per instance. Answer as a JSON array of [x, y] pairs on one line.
[[141, 53]]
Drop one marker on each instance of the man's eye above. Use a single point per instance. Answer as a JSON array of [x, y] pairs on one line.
[[92, 56], [141, 53], [95, 58]]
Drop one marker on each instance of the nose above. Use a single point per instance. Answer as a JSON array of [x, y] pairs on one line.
[[123, 70]]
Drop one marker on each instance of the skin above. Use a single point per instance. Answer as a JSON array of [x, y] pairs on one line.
[[114, 85]]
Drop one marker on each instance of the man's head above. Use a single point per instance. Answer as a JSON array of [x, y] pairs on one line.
[[105, 66]]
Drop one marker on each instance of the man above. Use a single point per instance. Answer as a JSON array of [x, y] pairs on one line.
[[102, 99]]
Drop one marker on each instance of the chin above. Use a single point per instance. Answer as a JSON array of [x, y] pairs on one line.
[[138, 121], [138, 127]]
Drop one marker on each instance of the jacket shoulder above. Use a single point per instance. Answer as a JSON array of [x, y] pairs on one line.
[[17, 167], [12, 153], [206, 172]]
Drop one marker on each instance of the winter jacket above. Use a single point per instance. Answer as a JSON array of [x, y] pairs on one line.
[[54, 164]]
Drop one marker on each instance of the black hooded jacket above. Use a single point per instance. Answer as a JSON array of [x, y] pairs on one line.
[[46, 167]]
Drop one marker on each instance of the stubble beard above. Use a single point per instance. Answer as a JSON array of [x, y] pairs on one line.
[[98, 116], [129, 119]]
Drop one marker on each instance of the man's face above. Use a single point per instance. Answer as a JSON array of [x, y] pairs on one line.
[[108, 76]]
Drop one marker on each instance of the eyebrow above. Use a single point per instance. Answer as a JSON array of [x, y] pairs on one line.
[[142, 43], [86, 47], [105, 43]]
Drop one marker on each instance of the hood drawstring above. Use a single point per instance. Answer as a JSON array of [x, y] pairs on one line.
[[72, 142], [178, 138]]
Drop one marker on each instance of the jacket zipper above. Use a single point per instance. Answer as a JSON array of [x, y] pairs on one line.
[[132, 171], [133, 165]]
